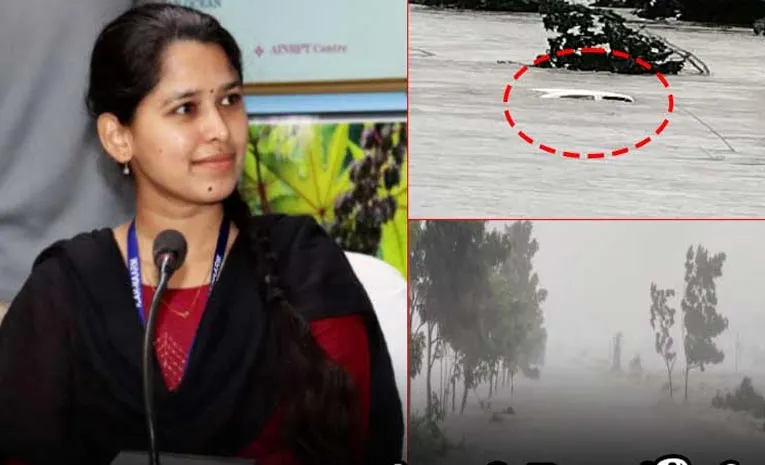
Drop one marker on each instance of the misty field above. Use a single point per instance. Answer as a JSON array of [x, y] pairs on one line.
[[585, 414]]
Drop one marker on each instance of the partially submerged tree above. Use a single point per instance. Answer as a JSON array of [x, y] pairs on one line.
[[579, 26], [702, 321], [662, 321]]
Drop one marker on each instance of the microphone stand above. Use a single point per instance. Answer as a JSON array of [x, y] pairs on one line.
[[165, 271], [140, 458]]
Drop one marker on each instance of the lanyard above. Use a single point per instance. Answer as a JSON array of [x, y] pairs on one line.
[[134, 263]]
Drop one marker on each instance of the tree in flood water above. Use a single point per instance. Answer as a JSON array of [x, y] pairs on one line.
[[579, 26]]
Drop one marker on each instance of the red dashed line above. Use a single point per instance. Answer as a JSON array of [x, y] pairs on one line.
[[520, 72], [547, 148], [642, 143], [595, 155], [643, 63], [509, 118], [620, 151], [565, 51], [662, 127], [663, 80], [596, 50], [525, 137], [620, 54], [571, 154], [506, 95], [541, 59], [671, 104]]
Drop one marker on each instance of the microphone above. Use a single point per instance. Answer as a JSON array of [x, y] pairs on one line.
[[169, 252]]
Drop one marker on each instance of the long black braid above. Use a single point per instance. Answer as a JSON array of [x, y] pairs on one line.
[[320, 402]]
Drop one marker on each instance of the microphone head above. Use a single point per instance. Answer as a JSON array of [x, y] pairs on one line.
[[170, 242]]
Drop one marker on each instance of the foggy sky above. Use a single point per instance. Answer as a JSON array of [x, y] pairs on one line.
[[598, 275]]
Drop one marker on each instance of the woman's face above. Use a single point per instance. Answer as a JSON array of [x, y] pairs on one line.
[[189, 135]]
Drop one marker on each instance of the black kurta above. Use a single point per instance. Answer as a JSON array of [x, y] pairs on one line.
[[70, 353]]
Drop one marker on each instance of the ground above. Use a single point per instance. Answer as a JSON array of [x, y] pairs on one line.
[[584, 415]]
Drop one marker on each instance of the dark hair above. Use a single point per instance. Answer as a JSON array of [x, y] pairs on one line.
[[320, 400]]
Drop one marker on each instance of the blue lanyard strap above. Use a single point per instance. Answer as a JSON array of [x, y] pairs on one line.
[[134, 263]]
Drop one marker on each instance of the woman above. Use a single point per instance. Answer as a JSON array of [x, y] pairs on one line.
[[283, 363]]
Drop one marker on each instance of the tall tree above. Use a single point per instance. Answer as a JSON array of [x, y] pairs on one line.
[[457, 256], [526, 290], [417, 288], [702, 321], [425, 347], [474, 341], [662, 320]]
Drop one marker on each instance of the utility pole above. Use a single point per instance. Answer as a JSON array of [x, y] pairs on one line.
[[610, 351]]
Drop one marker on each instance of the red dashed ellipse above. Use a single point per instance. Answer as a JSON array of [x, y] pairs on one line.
[[589, 155]]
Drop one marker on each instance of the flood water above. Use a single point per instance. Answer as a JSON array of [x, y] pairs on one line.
[[467, 161]]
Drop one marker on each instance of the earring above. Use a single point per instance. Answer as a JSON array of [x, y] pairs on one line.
[[126, 170]]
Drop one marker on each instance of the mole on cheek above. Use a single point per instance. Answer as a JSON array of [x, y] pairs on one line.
[[209, 189]]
